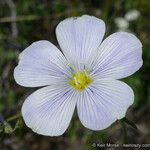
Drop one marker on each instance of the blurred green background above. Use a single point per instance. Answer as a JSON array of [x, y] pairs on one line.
[[23, 22]]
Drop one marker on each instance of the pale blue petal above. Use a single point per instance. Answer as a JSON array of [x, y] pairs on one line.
[[119, 56], [48, 111], [41, 64], [79, 37], [104, 102]]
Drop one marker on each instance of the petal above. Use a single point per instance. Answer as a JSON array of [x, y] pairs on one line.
[[79, 37], [41, 64], [103, 103], [49, 110], [119, 56]]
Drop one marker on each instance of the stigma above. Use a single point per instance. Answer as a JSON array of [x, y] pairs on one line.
[[80, 81]]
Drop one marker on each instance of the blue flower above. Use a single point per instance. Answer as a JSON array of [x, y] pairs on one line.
[[85, 76]]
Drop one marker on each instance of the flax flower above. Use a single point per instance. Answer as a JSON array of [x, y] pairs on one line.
[[83, 76]]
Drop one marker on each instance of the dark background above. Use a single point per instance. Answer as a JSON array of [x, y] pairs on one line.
[[25, 21]]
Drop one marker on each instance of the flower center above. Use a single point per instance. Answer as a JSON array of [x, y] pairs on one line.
[[80, 81]]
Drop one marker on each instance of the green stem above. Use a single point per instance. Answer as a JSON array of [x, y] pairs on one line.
[[14, 117], [124, 132]]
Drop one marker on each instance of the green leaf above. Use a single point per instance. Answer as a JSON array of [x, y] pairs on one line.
[[7, 128], [18, 124]]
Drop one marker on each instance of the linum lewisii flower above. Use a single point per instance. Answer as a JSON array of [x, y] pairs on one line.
[[84, 75]]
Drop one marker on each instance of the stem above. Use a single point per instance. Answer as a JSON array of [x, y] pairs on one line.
[[124, 132], [13, 15], [14, 117]]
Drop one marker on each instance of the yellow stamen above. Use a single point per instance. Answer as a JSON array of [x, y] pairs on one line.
[[80, 81]]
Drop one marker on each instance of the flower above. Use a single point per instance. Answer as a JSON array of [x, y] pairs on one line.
[[132, 15], [85, 76], [122, 23]]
